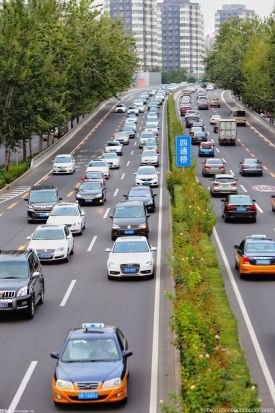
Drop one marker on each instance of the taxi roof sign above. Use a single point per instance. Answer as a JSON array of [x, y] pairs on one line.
[[93, 325]]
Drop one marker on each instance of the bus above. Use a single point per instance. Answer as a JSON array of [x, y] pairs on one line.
[[239, 116]]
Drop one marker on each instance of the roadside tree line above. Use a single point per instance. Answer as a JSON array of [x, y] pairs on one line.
[[58, 61], [243, 59]]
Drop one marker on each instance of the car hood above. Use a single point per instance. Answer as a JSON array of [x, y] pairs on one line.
[[89, 371], [130, 258], [12, 283], [149, 176], [89, 191], [63, 164], [47, 244], [129, 221], [59, 220]]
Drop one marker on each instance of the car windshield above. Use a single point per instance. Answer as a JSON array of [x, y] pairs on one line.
[[225, 179], [146, 171], [109, 155], [65, 211], [129, 212], [12, 269], [207, 146], [93, 175], [149, 153], [43, 197], [96, 186], [48, 234], [91, 350], [63, 159], [251, 161], [113, 143], [131, 247], [260, 247], [214, 162], [97, 163]]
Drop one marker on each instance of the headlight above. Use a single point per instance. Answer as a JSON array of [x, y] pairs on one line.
[[76, 224], [30, 208], [112, 383], [79, 196], [63, 384], [23, 291], [143, 226], [115, 226], [61, 249], [111, 263], [150, 262]]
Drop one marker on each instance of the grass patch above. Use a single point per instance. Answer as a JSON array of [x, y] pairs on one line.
[[15, 170]]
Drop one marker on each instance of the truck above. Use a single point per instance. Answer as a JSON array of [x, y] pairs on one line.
[[227, 130]]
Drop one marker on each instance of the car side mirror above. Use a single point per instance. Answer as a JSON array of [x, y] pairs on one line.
[[127, 353], [60, 198], [26, 199], [54, 355], [110, 216]]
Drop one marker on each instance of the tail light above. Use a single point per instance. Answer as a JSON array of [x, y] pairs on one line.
[[245, 260], [251, 208], [221, 167], [216, 184], [234, 184], [230, 207]]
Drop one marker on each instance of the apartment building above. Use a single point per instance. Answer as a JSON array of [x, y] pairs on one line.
[[230, 11]]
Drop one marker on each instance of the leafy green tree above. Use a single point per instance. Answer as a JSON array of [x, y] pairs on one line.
[[174, 76]]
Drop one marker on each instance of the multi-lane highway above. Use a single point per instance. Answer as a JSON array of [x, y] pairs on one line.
[[79, 291], [252, 300]]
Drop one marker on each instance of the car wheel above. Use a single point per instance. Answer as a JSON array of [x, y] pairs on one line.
[[42, 294], [225, 218], [241, 275], [236, 265], [31, 309], [67, 258]]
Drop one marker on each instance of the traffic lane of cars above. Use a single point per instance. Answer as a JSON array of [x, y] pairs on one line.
[[74, 257]]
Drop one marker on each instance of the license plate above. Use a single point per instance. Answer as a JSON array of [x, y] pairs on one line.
[[88, 200], [45, 255], [4, 304], [87, 396], [241, 209], [263, 262], [42, 215], [129, 270], [129, 231]]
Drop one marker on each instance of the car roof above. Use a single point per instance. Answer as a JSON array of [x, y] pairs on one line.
[[80, 332], [50, 226], [130, 203], [66, 204], [43, 187], [224, 176], [18, 255], [131, 238]]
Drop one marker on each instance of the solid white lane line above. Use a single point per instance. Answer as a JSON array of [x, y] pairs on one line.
[[22, 387], [247, 320], [92, 243], [106, 213], [67, 294]]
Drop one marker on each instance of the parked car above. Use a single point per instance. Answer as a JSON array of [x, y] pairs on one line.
[[212, 166], [251, 166], [241, 207], [223, 184]]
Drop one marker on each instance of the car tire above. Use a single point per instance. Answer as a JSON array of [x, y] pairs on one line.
[[236, 265], [241, 275], [42, 296], [67, 259], [226, 219], [31, 309]]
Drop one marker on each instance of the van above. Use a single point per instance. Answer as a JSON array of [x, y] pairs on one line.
[[239, 116]]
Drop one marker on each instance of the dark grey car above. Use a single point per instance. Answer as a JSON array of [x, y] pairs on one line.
[[251, 166], [144, 194]]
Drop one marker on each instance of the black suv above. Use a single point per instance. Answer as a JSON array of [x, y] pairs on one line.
[[41, 201], [129, 218], [21, 281]]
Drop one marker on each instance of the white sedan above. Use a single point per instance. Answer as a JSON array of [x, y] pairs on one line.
[[64, 164], [214, 119], [149, 157], [70, 214], [147, 175], [99, 165], [52, 242], [112, 159], [130, 256]]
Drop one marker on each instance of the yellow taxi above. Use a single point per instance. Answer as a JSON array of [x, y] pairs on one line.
[[255, 256]]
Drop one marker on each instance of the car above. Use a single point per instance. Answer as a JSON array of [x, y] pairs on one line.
[[212, 166], [206, 149], [99, 165], [203, 104], [198, 135], [147, 175], [114, 146], [131, 121], [223, 184], [190, 119], [131, 131], [151, 144], [92, 366], [255, 255], [149, 157], [52, 242], [153, 127], [41, 200], [21, 282], [132, 118], [251, 166], [64, 164], [214, 118], [130, 257], [140, 104], [129, 218], [133, 109], [94, 176], [120, 108], [209, 87], [144, 194], [214, 102], [184, 107], [144, 136], [91, 192], [70, 214], [199, 123], [123, 136], [112, 159], [239, 206]]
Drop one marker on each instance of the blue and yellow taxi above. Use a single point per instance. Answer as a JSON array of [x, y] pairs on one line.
[[92, 366], [255, 256]]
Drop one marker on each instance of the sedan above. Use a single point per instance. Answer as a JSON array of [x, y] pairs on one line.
[[147, 175], [120, 108], [52, 242], [94, 176], [112, 159], [64, 164], [240, 207], [91, 192], [214, 119], [198, 135], [113, 146], [130, 257], [223, 184], [151, 144], [206, 149], [212, 166], [92, 366], [144, 194], [99, 165], [251, 166], [255, 255], [149, 157], [131, 131], [123, 136], [70, 214]]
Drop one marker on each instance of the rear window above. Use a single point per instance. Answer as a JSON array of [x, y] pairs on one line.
[[240, 200]]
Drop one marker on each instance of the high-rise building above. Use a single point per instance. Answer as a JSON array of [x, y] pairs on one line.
[[231, 11], [181, 25]]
